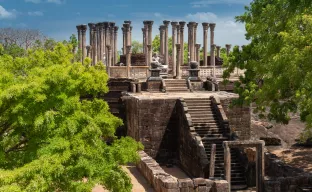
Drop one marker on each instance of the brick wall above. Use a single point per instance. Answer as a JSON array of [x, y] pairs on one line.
[[151, 121], [163, 182]]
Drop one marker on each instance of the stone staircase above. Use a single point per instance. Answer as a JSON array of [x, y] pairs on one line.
[[206, 125], [176, 85]]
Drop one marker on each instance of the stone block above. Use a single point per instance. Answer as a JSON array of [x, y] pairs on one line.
[[220, 186]]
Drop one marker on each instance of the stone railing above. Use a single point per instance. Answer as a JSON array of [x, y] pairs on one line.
[[136, 72], [222, 118], [192, 155], [164, 182], [207, 71]]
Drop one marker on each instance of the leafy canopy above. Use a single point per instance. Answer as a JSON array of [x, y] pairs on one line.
[[50, 139], [278, 75]]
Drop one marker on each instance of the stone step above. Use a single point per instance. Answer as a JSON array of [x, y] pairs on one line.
[[194, 100], [175, 80], [177, 85], [235, 186], [208, 132], [207, 113], [203, 120]]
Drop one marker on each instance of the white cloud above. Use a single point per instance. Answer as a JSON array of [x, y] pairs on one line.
[[56, 1], [202, 17], [4, 14], [46, 1], [206, 3], [35, 13], [33, 1]]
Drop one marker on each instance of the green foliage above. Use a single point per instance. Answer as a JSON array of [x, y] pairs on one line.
[[278, 75], [156, 44], [137, 47], [50, 138], [13, 50]]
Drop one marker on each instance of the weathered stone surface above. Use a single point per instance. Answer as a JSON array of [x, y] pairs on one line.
[[271, 141]]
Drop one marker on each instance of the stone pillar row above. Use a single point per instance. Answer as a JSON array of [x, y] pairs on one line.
[[148, 29], [101, 34]]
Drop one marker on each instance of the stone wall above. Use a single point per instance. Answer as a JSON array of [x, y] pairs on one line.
[[152, 122], [163, 182], [137, 59], [239, 119], [192, 155]]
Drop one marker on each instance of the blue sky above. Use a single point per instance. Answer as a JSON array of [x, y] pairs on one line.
[[58, 18]]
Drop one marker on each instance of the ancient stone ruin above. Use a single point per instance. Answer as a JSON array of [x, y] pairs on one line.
[[182, 115]]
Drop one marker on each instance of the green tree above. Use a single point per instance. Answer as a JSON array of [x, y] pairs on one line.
[[51, 138], [156, 44], [137, 47], [278, 75]]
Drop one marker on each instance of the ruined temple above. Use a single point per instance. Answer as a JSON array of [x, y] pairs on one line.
[[183, 118]]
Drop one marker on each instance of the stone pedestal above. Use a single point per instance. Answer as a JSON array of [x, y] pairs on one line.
[[194, 71], [154, 82]]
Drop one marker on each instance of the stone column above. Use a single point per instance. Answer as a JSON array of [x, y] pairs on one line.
[[198, 53], [227, 164], [188, 38], [107, 38], [161, 39], [228, 48], [112, 41], [149, 52], [178, 33], [109, 60], [144, 39], [88, 50], [91, 25], [126, 30], [205, 28], [179, 61], [94, 53], [191, 26], [105, 28], [128, 59], [213, 60], [150, 40], [99, 41], [83, 33], [174, 55], [166, 24], [146, 42], [195, 33], [102, 41], [79, 40], [182, 24], [212, 27], [115, 45], [123, 41], [218, 51], [130, 35]]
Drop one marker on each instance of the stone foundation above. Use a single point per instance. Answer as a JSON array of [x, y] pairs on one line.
[[163, 182]]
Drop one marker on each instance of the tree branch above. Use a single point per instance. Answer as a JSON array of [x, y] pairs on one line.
[[17, 146]]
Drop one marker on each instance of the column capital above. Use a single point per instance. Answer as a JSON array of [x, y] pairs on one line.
[[178, 46], [196, 24], [174, 23], [130, 28], [128, 49], [228, 46], [166, 23], [88, 47], [213, 46], [83, 28], [182, 24], [149, 47], [126, 27], [127, 21], [218, 47], [212, 26], [106, 24], [197, 45], [192, 23], [91, 25], [116, 29], [78, 27], [109, 47], [112, 24], [205, 26], [148, 22]]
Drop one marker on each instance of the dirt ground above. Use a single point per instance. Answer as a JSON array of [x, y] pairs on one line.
[[139, 183]]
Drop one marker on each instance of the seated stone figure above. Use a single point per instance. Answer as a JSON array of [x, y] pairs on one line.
[[159, 60]]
